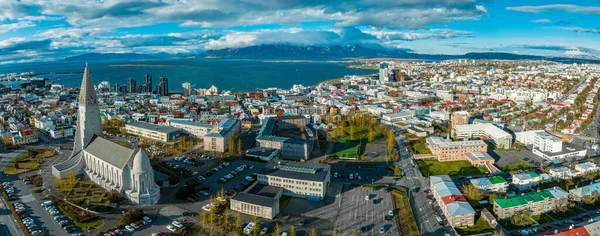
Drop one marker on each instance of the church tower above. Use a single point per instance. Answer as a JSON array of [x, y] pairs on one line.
[[88, 115]]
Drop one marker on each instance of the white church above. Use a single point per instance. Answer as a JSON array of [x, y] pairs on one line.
[[108, 164]]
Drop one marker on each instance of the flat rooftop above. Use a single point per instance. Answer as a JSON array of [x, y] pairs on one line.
[[150, 126], [296, 170]]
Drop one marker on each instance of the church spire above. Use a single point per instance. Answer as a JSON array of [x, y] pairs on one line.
[[87, 94]]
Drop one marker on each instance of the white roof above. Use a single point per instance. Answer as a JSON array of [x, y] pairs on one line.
[[490, 129]]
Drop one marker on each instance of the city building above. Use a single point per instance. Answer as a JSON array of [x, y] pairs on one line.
[[162, 88], [492, 133], [298, 179], [186, 89], [131, 85], [561, 172], [527, 137], [153, 132], [454, 205], [586, 167], [147, 86], [258, 200], [108, 164], [217, 140], [480, 159], [536, 202], [289, 135], [392, 118], [383, 72], [446, 150], [495, 184], [192, 128], [578, 194], [459, 118], [527, 180]]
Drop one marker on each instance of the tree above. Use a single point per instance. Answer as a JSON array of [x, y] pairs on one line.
[[371, 134], [352, 129], [276, 230], [256, 228], [313, 232], [334, 233], [472, 192], [226, 219], [522, 218], [391, 141], [292, 231], [238, 222], [492, 197]]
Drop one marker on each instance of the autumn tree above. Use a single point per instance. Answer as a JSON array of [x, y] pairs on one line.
[[292, 231], [472, 192], [391, 141], [276, 230], [313, 232], [522, 218], [238, 222]]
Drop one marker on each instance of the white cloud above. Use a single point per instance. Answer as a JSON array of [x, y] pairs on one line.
[[585, 30], [541, 21], [557, 7], [15, 26]]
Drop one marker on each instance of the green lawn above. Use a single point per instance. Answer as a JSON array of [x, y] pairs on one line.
[[481, 226], [522, 166], [346, 149], [359, 133], [420, 148], [453, 168], [28, 161], [406, 220], [91, 224], [23, 167]]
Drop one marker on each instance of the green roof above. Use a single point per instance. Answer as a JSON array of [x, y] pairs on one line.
[[533, 174], [522, 200], [497, 180]]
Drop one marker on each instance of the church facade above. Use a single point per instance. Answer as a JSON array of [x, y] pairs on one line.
[[108, 164]]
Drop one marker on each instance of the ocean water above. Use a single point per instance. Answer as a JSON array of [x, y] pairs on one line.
[[234, 75]]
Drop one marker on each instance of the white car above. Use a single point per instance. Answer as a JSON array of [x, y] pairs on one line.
[[134, 225], [171, 228], [118, 231], [249, 178], [129, 228], [390, 213], [264, 231], [367, 198], [177, 224]]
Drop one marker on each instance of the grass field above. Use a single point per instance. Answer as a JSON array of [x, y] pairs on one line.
[[481, 226], [346, 149], [420, 148], [406, 220], [453, 168], [28, 161], [91, 224]]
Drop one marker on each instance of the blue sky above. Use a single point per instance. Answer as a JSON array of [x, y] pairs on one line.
[[38, 30]]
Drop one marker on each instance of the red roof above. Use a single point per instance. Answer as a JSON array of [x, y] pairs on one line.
[[453, 198], [491, 99], [577, 231]]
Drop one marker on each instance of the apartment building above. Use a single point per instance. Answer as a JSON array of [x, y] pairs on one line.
[[454, 205], [578, 194], [153, 132], [454, 150], [492, 133], [217, 140], [259, 200], [195, 129], [495, 184], [586, 167], [459, 118], [289, 135], [525, 181], [298, 179], [536, 202]]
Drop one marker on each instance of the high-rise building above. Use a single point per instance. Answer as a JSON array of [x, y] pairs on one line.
[[186, 89], [147, 84], [131, 85], [398, 75], [162, 88], [115, 88], [459, 118], [383, 72]]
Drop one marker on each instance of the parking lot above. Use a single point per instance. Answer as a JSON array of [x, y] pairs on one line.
[[31, 201], [508, 158], [357, 214], [213, 183]]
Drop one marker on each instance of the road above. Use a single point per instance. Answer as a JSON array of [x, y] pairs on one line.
[[416, 185], [6, 218]]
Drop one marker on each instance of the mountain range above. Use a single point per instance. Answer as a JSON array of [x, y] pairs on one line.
[[284, 51]]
